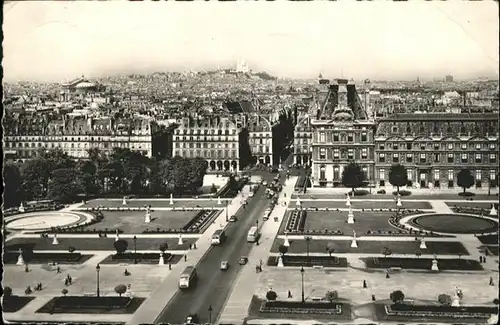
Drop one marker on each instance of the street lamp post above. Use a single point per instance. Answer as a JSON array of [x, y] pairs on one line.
[[97, 269], [210, 314], [227, 219], [302, 271], [135, 249], [308, 240]]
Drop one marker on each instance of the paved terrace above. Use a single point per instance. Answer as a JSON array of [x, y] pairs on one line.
[[159, 298], [236, 308]]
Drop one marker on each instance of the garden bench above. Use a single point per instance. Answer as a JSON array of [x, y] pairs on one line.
[[395, 269], [317, 266]]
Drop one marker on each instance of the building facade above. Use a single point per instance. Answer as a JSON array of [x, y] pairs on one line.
[[302, 140], [341, 134], [435, 147], [215, 139], [260, 138]]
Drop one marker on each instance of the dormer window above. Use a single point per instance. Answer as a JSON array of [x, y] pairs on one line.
[[394, 129]]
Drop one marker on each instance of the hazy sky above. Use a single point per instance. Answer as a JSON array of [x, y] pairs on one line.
[[62, 40]]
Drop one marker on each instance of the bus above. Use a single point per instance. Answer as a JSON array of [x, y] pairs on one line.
[[219, 237], [253, 234], [188, 277]]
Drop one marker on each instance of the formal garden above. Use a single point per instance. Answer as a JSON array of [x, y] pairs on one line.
[[93, 305], [12, 303], [455, 223], [356, 204]]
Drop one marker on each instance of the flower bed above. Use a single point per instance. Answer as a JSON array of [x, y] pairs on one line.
[[296, 221], [171, 231], [297, 307], [402, 193], [92, 305], [140, 257], [422, 263], [199, 221], [300, 260], [12, 304], [491, 239], [42, 258], [476, 312]]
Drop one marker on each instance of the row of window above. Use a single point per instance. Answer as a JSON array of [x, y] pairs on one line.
[[77, 154], [258, 141], [205, 145], [337, 153], [436, 157], [342, 137], [259, 135], [205, 131], [206, 153], [260, 149], [336, 173], [74, 139], [436, 129], [78, 145], [435, 146], [451, 174], [205, 139]]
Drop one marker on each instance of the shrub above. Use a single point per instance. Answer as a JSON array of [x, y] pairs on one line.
[[121, 246], [402, 193], [331, 296], [271, 295], [496, 301], [386, 251], [382, 191], [71, 249], [213, 189], [331, 247], [163, 247], [283, 249], [444, 299], [7, 291], [397, 296], [121, 289], [466, 194], [359, 192], [64, 291]]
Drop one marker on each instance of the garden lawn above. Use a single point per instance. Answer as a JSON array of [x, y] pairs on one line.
[[455, 223], [132, 222], [471, 204], [361, 204], [372, 247], [95, 244], [117, 203], [333, 220], [143, 259], [430, 196], [12, 304], [92, 305], [422, 263], [488, 239]]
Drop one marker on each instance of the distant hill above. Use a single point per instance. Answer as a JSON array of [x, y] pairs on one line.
[[265, 76]]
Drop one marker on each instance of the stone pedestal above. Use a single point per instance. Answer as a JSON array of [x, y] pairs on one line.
[[493, 211], [286, 243], [399, 204], [117, 237], [350, 216], [422, 245], [348, 202], [354, 243], [147, 218], [20, 259], [180, 241], [298, 202], [434, 266], [124, 202], [280, 262], [162, 260], [219, 200], [21, 208], [455, 302], [171, 199], [55, 241]]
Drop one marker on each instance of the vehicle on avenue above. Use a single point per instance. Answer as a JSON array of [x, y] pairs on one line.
[[219, 236], [188, 277], [253, 234], [224, 265], [233, 219], [264, 183], [251, 194], [192, 319], [243, 260]]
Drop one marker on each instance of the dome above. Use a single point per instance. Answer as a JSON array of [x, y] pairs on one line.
[[85, 85]]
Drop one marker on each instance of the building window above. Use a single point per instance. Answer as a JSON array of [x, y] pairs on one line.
[[492, 146], [322, 137], [335, 137], [336, 153], [451, 174], [464, 146], [422, 146], [436, 146], [436, 157], [364, 153], [381, 157], [478, 174], [493, 175], [450, 146], [336, 173], [381, 146], [364, 137], [423, 158], [394, 129], [322, 173], [464, 157], [409, 157], [350, 137], [382, 173], [408, 146], [478, 158], [322, 153], [478, 146], [450, 158], [395, 146], [350, 154], [436, 174], [493, 158], [365, 171], [409, 174]]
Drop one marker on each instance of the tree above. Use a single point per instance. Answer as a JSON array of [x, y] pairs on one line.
[[64, 292], [386, 251], [63, 185], [7, 291], [271, 295], [398, 176], [71, 249], [418, 253], [331, 247], [353, 176], [465, 179], [87, 176], [121, 289], [444, 299], [12, 190], [36, 176], [332, 295], [397, 296], [163, 247], [283, 250], [121, 246], [460, 255], [496, 301]]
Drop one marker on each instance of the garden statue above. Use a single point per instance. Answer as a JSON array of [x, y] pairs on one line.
[[493, 211], [422, 244], [350, 216], [20, 259], [124, 202], [162, 260], [171, 198], [147, 218], [117, 236], [180, 242], [55, 241], [348, 201], [286, 243], [219, 200], [21, 208], [280, 261], [354, 243], [434, 266]]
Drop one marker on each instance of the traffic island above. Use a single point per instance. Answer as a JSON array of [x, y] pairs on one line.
[[422, 263], [311, 261], [91, 305], [296, 310], [12, 304]]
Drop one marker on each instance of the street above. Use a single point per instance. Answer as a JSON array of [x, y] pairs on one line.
[[214, 285]]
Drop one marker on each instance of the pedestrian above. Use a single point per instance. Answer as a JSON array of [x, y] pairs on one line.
[[387, 275], [185, 258], [26, 268], [364, 284], [373, 298], [58, 270], [289, 294], [484, 259], [66, 282], [70, 279], [194, 245], [480, 259], [190, 246], [169, 266], [491, 281]]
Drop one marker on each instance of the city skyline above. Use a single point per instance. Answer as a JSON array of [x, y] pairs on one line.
[[54, 41]]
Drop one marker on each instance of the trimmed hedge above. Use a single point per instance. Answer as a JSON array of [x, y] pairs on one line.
[[300, 260], [422, 263], [402, 193], [297, 307]]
